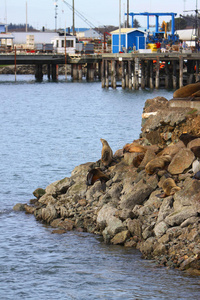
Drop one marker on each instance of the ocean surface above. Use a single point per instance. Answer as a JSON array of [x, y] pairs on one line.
[[48, 128]]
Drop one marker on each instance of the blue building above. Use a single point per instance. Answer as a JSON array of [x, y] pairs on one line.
[[2, 27], [131, 38]]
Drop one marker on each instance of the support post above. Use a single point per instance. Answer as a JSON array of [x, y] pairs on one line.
[[157, 81], [142, 74], [126, 74], [136, 74], [114, 75], [90, 72], [103, 73], [180, 71], [147, 74], [49, 71], [151, 81], [74, 71], [112, 72], [123, 75], [99, 71], [129, 75], [54, 75], [174, 76], [166, 75], [80, 72], [107, 73], [190, 70], [38, 72]]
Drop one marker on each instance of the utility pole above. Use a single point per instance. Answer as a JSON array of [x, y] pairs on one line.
[[6, 17], [73, 25], [127, 25], [56, 8], [119, 25], [26, 18]]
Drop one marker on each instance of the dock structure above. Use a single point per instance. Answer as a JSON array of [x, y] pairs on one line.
[[85, 65], [149, 70], [128, 70]]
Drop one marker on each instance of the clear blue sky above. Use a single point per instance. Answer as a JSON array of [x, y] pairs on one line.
[[98, 12]]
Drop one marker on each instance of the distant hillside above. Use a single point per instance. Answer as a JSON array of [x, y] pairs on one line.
[[20, 27]]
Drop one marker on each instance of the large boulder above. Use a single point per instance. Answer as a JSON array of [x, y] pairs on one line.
[[178, 217], [120, 238], [160, 229], [106, 219], [181, 161], [189, 196], [139, 192]]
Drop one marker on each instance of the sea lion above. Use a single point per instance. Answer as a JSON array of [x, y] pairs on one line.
[[138, 159], [106, 153], [187, 91], [196, 151], [133, 147], [186, 138], [157, 164], [169, 187], [96, 174]]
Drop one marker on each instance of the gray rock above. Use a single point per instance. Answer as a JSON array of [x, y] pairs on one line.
[[178, 217], [188, 196], [139, 193], [165, 209], [160, 229], [147, 247], [106, 215], [135, 227]]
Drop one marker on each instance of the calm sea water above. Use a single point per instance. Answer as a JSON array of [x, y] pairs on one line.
[[46, 130]]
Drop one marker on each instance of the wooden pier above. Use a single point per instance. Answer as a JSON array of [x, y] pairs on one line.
[[128, 70], [89, 65], [152, 70]]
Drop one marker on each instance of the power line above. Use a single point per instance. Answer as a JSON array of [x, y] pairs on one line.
[[80, 15]]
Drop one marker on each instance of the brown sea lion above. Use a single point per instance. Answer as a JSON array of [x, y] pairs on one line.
[[138, 159], [133, 147], [96, 174], [169, 187], [186, 138], [187, 91], [157, 164], [196, 151], [106, 153]]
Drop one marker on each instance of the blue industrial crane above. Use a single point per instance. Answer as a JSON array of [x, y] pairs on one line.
[[157, 35]]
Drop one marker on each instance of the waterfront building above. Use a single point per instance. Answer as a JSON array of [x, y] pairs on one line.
[[59, 44], [131, 39]]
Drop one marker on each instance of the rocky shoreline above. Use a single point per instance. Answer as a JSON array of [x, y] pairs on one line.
[[133, 207], [30, 69]]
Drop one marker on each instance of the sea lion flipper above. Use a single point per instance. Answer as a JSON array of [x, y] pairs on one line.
[[163, 195]]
